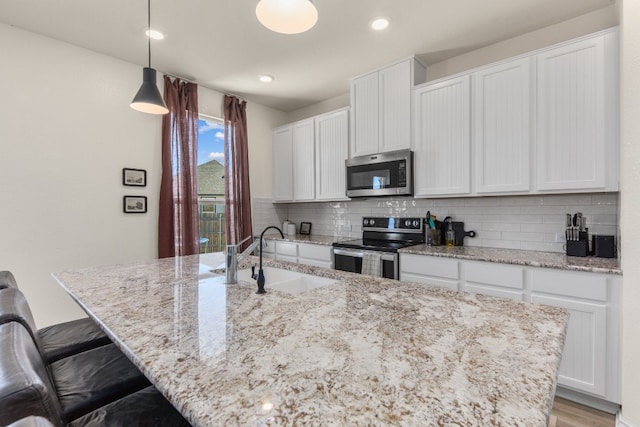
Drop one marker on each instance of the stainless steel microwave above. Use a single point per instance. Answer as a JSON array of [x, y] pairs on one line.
[[385, 174]]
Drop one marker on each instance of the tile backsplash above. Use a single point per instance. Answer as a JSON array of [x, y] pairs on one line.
[[513, 222]]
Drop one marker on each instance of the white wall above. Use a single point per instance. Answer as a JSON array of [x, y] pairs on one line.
[[630, 206], [589, 23], [66, 133]]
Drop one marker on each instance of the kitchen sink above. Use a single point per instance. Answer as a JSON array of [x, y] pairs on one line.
[[287, 281]]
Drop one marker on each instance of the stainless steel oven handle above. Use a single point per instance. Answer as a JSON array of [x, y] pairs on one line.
[[356, 254], [348, 253]]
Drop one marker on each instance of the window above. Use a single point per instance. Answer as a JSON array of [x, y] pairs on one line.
[[211, 184]]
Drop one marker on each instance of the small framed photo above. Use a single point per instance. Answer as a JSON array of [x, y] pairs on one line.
[[134, 177], [134, 204], [305, 228]]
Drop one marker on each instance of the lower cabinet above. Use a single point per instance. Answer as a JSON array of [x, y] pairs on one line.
[[590, 360], [302, 253], [441, 272]]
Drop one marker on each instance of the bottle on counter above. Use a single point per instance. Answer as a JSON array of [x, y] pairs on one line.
[[450, 235]]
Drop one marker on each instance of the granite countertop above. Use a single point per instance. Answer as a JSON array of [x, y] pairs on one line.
[[505, 256], [361, 351], [520, 257]]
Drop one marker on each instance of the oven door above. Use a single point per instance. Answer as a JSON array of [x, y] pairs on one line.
[[351, 260]]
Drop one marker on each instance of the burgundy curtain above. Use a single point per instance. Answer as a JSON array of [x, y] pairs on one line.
[[178, 226], [236, 155]]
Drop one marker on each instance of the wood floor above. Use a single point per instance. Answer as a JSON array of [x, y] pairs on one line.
[[570, 414]]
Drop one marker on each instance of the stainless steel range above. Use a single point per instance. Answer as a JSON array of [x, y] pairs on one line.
[[377, 252]]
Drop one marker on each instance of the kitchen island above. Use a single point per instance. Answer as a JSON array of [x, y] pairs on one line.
[[361, 351]]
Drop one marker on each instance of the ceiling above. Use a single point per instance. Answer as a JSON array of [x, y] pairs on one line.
[[221, 45]]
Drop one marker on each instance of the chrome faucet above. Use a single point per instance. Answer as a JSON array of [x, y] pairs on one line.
[[260, 276], [233, 259]]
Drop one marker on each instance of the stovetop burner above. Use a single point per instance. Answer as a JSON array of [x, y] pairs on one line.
[[387, 234]]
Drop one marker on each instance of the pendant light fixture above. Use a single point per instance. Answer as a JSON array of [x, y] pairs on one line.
[[287, 16], [148, 98]]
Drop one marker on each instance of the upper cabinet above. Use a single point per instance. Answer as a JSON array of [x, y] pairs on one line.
[[332, 149], [502, 127], [309, 158], [577, 142], [304, 175], [545, 122], [282, 151], [381, 108], [442, 140]]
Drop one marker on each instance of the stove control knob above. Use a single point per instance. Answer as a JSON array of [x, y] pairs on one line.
[[407, 223], [366, 222], [415, 223]]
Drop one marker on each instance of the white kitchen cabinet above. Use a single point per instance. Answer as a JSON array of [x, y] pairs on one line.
[[282, 150], [332, 149], [577, 140], [309, 156], [498, 280], [590, 360], [304, 174], [302, 253], [436, 271], [442, 140], [381, 107], [502, 107], [315, 255], [286, 251]]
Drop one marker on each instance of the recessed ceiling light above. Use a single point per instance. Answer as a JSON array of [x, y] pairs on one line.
[[379, 24], [154, 34], [266, 78]]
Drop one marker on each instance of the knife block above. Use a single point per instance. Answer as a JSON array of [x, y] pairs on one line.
[[579, 247]]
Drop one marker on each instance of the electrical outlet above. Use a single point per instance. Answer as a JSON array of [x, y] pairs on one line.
[[560, 237]]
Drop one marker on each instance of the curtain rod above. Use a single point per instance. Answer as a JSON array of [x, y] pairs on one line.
[[195, 82]]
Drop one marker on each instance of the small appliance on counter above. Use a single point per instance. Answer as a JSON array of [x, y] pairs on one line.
[[603, 246]]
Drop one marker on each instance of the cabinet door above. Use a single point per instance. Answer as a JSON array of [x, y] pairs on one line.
[[502, 127], [304, 171], [332, 149], [584, 363], [443, 138], [283, 164], [571, 117], [364, 115], [395, 86]]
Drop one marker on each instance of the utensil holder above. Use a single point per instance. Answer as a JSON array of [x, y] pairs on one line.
[[432, 237]]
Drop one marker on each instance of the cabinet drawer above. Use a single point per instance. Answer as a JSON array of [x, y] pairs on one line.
[[315, 263], [570, 283], [429, 266], [509, 276], [318, 252], [286, 249], [269, 248], [495, 292], [441, 283]]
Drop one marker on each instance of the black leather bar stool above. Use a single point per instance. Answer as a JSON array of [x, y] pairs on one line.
[[64, 339], [84, 381]]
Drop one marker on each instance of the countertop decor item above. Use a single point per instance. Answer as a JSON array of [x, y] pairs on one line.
[[305, 228], [148, 98]]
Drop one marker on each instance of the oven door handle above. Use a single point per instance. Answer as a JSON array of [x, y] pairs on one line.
[[355, 254]]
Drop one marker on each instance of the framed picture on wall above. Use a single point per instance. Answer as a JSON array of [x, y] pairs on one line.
[[134, 177], [134, 204]]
